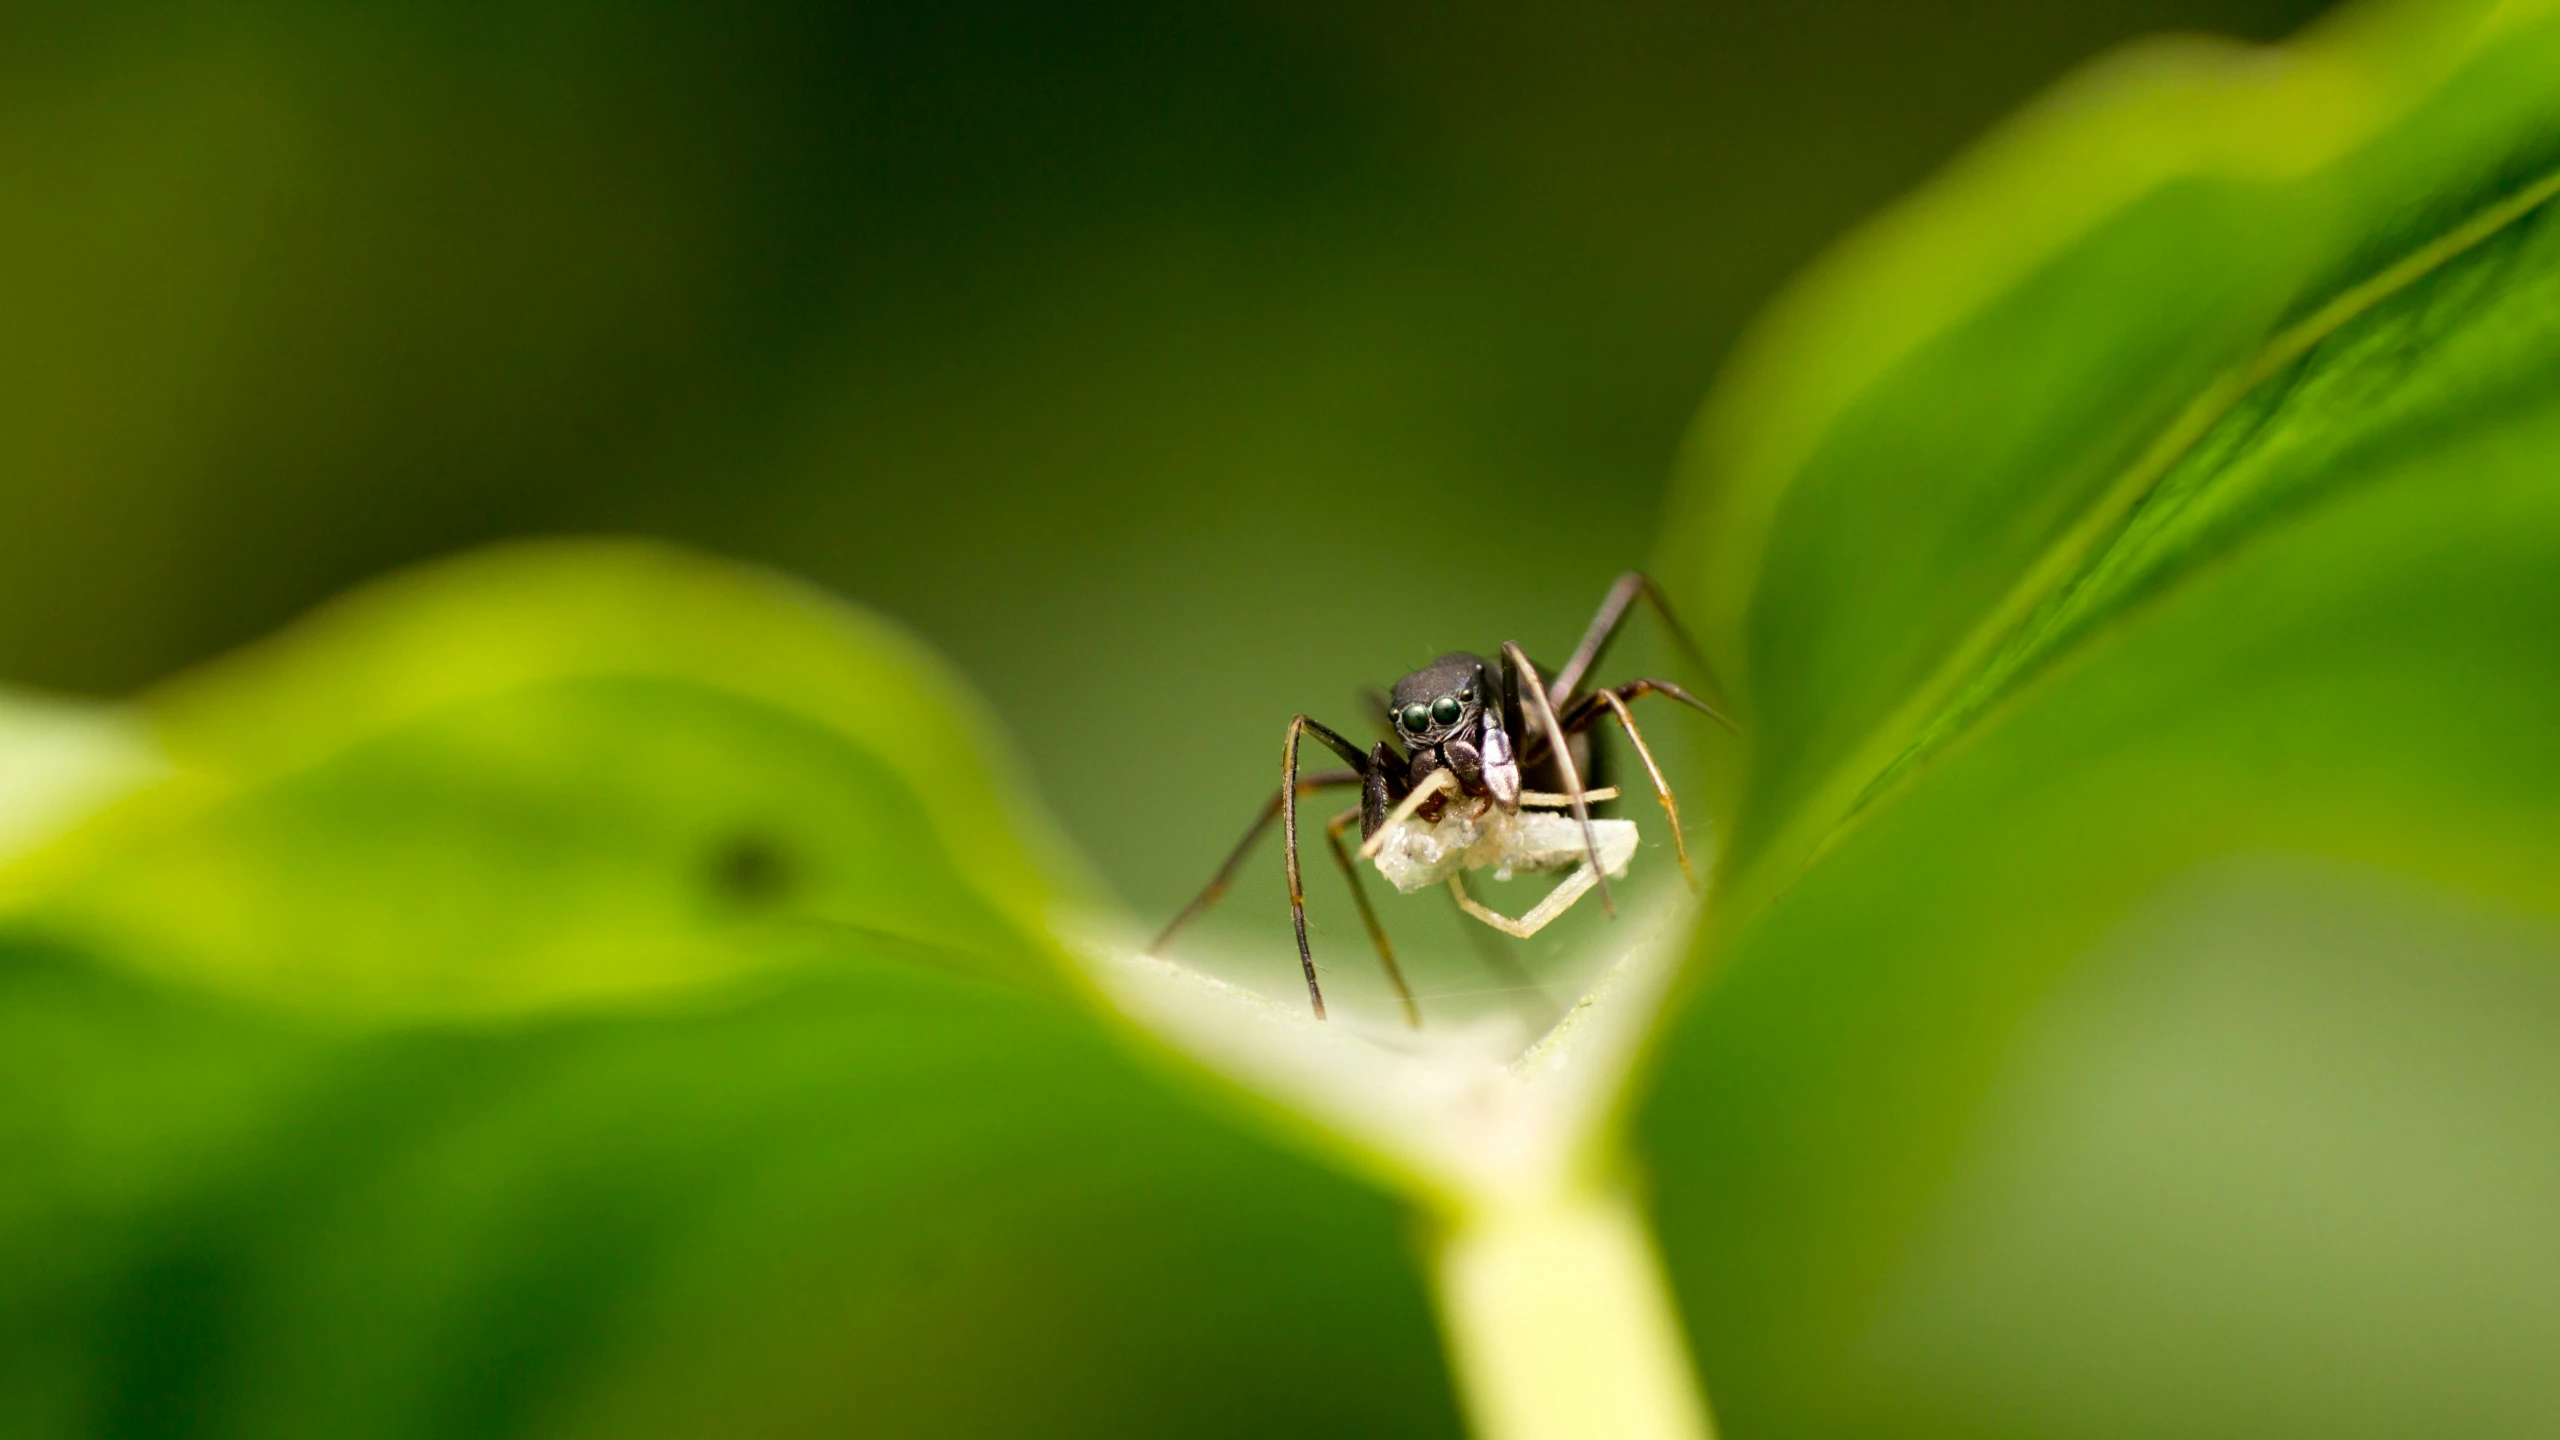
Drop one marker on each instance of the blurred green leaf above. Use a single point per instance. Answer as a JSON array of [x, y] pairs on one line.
[[590, 990], [2172, 485], [585, 989], [1938, 429], [60, 760], [552, 772], [871, 1198]]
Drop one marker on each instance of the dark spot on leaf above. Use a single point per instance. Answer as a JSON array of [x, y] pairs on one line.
[[752, 869]]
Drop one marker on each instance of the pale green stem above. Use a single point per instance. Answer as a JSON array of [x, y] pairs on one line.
[[1561, 1324]]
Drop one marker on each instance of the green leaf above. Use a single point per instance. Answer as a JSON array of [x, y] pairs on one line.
[[555, 772], [1940, 426], [589, 990], [872, 1198], [59, 761], [2144, 546]]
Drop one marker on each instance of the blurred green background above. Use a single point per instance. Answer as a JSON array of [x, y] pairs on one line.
[[1172, 370], [1151, 361]]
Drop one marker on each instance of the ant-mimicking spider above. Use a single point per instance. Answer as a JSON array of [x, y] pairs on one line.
[[1449, 793]]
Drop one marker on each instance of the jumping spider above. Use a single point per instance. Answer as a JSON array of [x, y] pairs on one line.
[[1460, 788]]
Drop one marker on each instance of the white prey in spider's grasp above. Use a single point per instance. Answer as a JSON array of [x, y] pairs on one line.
[[1477, 834]]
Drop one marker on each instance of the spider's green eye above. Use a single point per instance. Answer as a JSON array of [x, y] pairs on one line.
[[1445, 709], [1416, 718]]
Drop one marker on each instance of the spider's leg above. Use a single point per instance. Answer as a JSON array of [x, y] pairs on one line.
[[1535, 691], [1604, 628], [1298, 725], [1385, 786], [1475, 907], [1541, 915], [1581, 712], [1497, 956], [1377, 933], [1439, 781], [1218, 883], [1542, 800], [1614, 703]]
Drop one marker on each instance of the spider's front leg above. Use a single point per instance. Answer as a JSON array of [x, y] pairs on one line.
[[1301, 725], [1379, 789]]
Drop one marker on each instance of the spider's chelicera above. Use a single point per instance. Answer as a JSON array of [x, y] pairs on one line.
[[1485, 760]]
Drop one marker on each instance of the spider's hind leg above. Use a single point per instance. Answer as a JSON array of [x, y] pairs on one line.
[[1614, 702], [1605, 625]]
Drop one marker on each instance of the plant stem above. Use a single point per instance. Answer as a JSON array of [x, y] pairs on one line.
[[1560, 1323]]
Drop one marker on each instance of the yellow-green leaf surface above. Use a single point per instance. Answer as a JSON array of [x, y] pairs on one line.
[[567, 771], [590, 990], [2129, 1004]]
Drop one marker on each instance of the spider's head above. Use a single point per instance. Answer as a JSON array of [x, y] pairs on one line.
[[1441, 700]]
